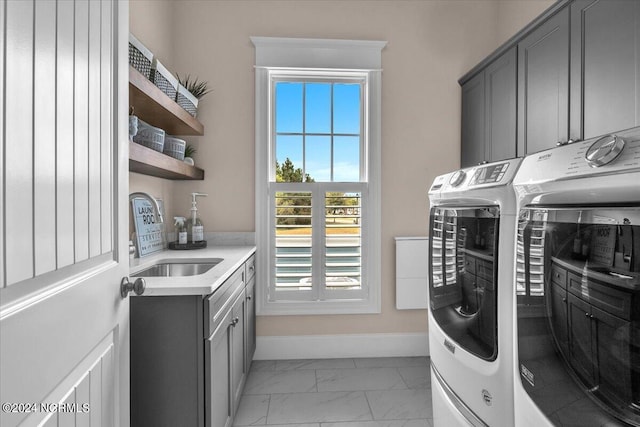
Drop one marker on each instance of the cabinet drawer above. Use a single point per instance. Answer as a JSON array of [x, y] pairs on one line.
[[220, 301], [609, 299], [559, 276], [250, 268]]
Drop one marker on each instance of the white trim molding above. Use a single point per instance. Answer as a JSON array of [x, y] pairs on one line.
[[318, 53], [341, 346]]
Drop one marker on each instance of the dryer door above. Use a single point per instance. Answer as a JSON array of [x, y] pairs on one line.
[[578, 312], [462, 291]]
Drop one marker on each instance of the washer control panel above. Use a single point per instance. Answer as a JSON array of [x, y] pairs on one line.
[[489, 174], [481, 176], [604, 155]]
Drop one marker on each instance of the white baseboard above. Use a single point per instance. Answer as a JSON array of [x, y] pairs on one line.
[[338, 346]]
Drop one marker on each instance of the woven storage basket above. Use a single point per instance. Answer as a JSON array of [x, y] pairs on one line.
[[150, 136], [174, 147], [140, 57], [163, 79], [187, 101]]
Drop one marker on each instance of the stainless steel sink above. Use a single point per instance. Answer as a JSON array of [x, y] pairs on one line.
[[179, 268]]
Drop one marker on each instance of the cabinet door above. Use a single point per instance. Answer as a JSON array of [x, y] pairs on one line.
[[238, 362], [580, 350], [500, 107], [219, 410], [612, 351], [559, 316], [250, 323], [605, 64], [473, 122], [543, 85]]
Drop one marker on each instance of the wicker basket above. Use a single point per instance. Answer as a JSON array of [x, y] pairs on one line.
[[187, 101], [174, 147], [140, 57], [163, 79], [150, 136]]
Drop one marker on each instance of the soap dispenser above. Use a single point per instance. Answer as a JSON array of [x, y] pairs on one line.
[[195, 229]]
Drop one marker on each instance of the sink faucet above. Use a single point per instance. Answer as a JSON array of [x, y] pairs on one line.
[[154, 203]]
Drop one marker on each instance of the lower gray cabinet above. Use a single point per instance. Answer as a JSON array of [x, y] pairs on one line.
[[219, 405], [190, 355], [238, 363]]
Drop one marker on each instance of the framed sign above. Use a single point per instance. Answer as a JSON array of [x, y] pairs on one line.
[[603, 240], [149, 233]]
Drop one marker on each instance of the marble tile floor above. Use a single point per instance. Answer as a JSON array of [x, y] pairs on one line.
[[369, 392]]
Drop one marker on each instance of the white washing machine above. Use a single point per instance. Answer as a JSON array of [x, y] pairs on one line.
[[471, 255], [577, 334]]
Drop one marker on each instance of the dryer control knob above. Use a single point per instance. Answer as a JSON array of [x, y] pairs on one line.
[[457, 178], [604, 150]]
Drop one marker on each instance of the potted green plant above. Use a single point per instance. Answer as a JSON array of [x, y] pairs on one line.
[[190, 90], [197, 88], [189, 151]]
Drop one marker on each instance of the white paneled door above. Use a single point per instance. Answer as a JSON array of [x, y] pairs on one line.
[[64, 331]]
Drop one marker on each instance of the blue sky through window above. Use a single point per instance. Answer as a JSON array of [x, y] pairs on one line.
[[306, 130]]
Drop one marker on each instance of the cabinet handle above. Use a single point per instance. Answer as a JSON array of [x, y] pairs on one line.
[[591, 316], [249, 297], [564, 300], [586, 314], [235, 321]]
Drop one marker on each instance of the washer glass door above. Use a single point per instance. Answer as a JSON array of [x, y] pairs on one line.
[[578, 313], [462, 290]]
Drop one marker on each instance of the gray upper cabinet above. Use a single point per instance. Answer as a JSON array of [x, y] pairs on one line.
[[473, 122], [578, 77], [488, 130], [605, 66], [543, 86], [500, 107]]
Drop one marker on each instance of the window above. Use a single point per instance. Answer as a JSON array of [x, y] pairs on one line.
[[317, 162], [316, 185]]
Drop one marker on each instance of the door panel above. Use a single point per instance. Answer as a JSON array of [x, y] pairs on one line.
[[18, 128], [605, 86], [63, 324], [500, 86], [580, 338], [238, 340], [473, 122], [543, 86]]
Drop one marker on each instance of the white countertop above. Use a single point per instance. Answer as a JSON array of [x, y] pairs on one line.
[[202, 284]]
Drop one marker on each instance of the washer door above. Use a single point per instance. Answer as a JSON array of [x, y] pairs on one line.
[[578, 312], [463, 247]]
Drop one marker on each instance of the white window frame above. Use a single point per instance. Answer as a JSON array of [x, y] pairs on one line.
[[278, 56]]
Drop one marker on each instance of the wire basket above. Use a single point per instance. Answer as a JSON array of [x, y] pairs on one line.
[[140, 57], [163, 79], [187, 101], [150, 136], [174, 147]]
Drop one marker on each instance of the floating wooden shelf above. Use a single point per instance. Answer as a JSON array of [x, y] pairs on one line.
[[150, 162], [154, 107]]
